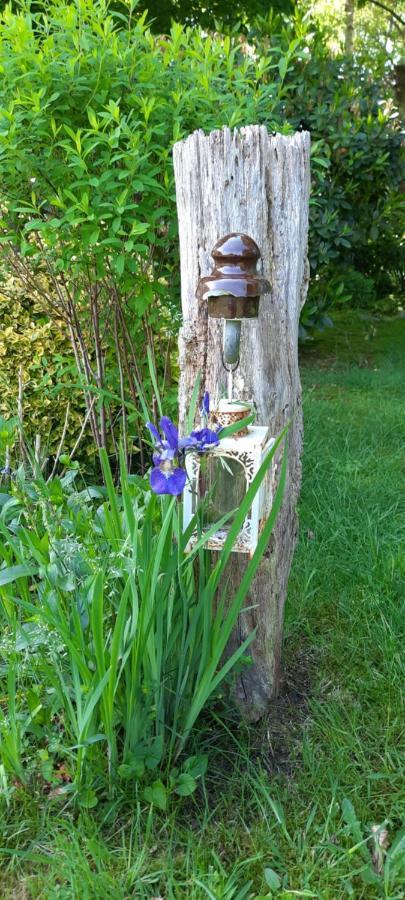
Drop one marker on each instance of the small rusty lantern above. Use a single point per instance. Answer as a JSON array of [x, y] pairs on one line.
[[233, 289], [232, 293]]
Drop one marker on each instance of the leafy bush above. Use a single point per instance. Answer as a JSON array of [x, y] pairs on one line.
[[356, 167], [356, 173], [209, 14], [359, 289], [35, 352], [113, 639], [89, 111]]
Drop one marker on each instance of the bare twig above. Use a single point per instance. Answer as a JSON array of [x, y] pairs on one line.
[[84, 423], [122, 388], [61, 443], [37, 449], [391, 12], [95, 319], [20, 413]]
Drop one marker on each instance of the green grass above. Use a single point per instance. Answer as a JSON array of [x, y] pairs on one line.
[[300, 793]]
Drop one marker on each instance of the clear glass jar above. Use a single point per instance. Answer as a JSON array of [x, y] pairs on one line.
[[223, 483]]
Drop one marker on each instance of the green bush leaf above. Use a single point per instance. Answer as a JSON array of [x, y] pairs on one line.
[[87, 798], [272, 879], [185, 785], [196, 766], [156, 795]]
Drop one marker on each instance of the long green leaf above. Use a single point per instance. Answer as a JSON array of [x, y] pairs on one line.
[[228, 430], [209, 680], [111, 493], [12, 573]]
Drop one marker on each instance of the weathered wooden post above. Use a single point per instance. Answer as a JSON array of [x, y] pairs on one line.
[[248, 181]]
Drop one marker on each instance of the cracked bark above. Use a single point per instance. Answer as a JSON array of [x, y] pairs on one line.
[[247, 180]]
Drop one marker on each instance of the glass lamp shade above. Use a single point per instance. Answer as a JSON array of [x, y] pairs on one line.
[[223, 483], [221, 479]]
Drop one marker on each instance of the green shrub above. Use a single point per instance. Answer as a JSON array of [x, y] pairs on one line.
[[35, 352], [360, 290], [356, 214], [211, 15], [89, 111], [356, 174]]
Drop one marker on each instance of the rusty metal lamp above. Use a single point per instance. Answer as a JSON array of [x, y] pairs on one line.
[[232, 292], [233, 289]]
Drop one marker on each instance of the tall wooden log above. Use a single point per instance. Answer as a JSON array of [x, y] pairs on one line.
[[248, 181]]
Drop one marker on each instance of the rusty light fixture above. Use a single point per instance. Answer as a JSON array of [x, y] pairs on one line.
[[233, 289], [232, 292]]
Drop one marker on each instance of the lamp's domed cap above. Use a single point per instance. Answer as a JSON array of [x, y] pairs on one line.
[[233, 288], [236, 246]]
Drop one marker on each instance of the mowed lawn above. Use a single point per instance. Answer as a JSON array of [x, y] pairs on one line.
[[311, 802]]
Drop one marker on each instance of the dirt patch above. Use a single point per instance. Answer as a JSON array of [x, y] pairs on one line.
[[279, 734], [273, 744]]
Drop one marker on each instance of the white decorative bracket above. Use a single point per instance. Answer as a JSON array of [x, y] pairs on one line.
[[226, 488]]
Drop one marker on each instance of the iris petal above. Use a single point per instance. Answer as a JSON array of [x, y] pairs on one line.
[[158, 481], [168, 484], [154, 432], [170, 432], [176, 482], [205, 438], [167, 453], [205, 406], [186, 442]]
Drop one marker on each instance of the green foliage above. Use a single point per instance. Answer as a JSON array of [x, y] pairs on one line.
[[114, 645], [209, 14], [88, 125], [38, 348], [356, 217], [89, 111], [284, 796], [360, 290]]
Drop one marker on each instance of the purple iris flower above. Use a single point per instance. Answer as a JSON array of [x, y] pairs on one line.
[[204, 439], [167, 477], [170, 445]]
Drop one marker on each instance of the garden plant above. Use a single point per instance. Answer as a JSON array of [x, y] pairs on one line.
[[91, 102], [125, 768], [122, 637]]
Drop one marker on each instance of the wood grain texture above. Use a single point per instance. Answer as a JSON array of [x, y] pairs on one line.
[[247, 180]]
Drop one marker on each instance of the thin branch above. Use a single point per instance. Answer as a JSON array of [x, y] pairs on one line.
[[94, 311], [122, 388], [37, 449], [130, 379], [61, 443], [20, 412], [84, 423], [167, 367], [389, 11]]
